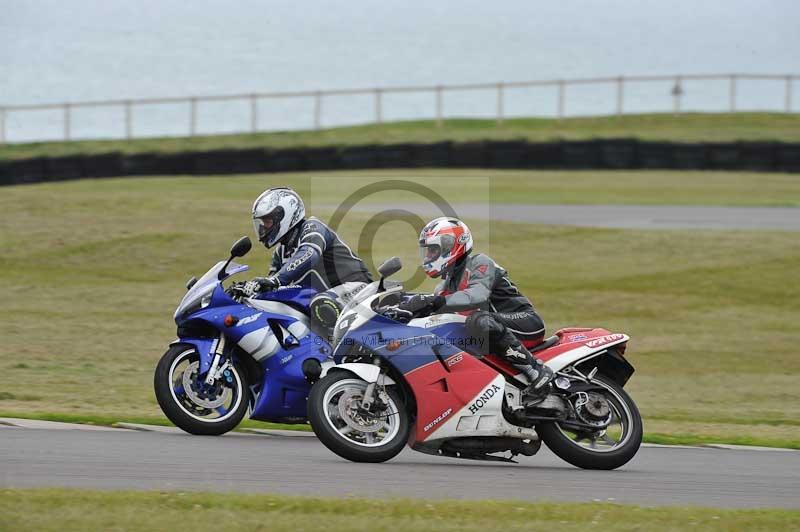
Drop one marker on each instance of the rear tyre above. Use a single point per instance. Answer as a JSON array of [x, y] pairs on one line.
[[603, 449], [189, 403], [333, 410]]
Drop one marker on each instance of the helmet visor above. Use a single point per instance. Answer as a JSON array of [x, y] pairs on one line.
[[429, 253], [265, 227]]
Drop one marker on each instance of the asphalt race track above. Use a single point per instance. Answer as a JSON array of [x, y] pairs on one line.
[[122, 459]]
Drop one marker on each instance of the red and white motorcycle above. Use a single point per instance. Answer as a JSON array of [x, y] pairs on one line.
[[416, 383]]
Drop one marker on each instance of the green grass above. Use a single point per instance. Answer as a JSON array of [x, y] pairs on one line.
[[92, 271], [326, 190], [65, 510], [689, 127]]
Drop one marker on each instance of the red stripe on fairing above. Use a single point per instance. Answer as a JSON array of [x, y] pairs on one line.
[[466, 379], [502, 365]]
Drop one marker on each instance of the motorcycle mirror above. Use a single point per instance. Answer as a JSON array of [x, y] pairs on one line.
[[241, 247], [390, 267]]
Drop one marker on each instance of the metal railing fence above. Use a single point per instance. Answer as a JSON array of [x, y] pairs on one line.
[[619, 83]]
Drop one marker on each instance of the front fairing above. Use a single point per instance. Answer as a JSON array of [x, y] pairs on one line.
[[205, 287], [357, 311], [246, 318], [406, 348]]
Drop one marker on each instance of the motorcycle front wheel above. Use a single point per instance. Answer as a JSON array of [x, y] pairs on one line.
[[335, 413], [193, 405]]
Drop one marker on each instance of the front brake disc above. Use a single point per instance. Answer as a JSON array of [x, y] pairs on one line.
[[220, 393], [349, 412]]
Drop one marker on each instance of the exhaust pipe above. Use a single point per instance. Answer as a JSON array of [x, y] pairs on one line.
[[493, 445]]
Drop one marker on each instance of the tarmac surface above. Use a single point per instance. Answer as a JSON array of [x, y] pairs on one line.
[[610, 216], [300, 465]]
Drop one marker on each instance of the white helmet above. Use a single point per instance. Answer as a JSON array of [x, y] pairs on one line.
[[275, 212]]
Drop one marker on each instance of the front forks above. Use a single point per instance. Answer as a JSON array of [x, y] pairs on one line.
[[369, 394], [216, 370]]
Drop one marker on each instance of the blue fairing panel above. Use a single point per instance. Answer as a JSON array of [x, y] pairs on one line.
[[205, 348], [248, 319], [285, 387], [456, 335], [296, 295], [411, 347]]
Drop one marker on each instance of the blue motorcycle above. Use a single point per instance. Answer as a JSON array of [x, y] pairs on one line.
[[236, 353]]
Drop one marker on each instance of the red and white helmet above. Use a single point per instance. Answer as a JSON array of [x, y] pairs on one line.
[[441, 243]]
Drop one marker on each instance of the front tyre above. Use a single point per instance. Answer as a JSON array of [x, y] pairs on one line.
[[193, 405], [344, 428], [608, 447]]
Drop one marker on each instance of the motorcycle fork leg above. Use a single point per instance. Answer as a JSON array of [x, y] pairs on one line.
[[369, 396], [369, 393], [211, 376]]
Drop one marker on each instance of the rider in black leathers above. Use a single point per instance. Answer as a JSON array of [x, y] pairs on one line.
[[308, 253]]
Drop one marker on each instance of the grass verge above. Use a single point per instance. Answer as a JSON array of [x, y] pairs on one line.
[[64, 510], [688, 127]]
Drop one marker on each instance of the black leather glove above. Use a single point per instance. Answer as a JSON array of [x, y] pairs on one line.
[[257, 285], [398, 314], [267, 283], [422, 304]]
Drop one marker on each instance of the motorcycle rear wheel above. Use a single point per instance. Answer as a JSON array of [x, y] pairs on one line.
[[612, 451], [354, 435], [183, 409]]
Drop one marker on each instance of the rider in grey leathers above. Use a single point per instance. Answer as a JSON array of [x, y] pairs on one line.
[[474, 284]]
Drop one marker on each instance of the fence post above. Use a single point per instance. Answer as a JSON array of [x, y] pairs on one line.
[[317, 109], [67, 121], [2, 125], [733, 92], [439, 106], [378, 108], [128, 121], [677, 92], [253, 113], [500, 103], [192, 116], [788, 94], [561, 96], [620, 95]]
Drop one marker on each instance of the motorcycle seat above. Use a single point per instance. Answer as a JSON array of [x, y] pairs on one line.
[[535, 346]]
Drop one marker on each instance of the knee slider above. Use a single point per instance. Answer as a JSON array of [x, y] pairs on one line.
[[325, 309]]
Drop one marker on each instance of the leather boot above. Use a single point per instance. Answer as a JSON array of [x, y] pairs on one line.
[[537, 372]]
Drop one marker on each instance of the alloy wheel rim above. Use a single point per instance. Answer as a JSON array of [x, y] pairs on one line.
[[612, 437], [340, 408], [198, 403]]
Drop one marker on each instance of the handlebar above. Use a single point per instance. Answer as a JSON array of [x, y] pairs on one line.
[[237, 291]]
